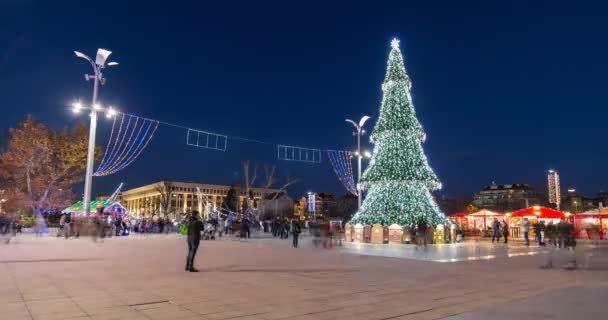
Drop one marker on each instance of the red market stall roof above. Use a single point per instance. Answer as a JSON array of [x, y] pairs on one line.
[[541, 212], [601, 213], [591, 216], [457, 215]]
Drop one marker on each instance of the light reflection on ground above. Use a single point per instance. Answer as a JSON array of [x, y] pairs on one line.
[[467, 251]]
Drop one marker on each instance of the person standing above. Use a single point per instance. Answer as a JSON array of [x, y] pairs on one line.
[[195, 226], [66, 223], [505, 230], [495, 230], [550, 233], [525, 228], [287, 228], [296, 230], [538, 230]]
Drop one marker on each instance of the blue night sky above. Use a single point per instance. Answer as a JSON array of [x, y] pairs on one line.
[[504, 89]]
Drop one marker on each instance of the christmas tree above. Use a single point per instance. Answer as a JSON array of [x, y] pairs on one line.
[[398, 179]]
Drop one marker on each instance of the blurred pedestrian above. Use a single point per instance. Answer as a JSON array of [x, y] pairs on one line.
[[538, 230], [296, 229], [525, 228], [495, 231], [505, 230], [66, 224], [550, 233], [195, 226]]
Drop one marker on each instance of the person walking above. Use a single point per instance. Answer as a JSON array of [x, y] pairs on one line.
[[195, 226], [525, 228], [538, 230], [550, 233], [495, 231], [296, 229], [287, 229], [505, 230]]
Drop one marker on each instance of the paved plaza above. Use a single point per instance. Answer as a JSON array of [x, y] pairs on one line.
[[267, 279]]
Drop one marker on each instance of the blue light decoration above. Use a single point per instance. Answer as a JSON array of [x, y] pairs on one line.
[[124, 153], [116, 147], [341, 162]]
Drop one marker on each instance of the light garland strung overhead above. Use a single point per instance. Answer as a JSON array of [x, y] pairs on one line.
[[123, 153], [341, 162]]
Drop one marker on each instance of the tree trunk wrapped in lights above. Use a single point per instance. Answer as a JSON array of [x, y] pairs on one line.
[[398, 179]]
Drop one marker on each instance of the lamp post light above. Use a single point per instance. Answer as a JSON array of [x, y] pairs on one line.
[[98, 64], [359, 132]]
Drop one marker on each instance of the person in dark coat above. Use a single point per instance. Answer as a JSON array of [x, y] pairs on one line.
[[496, 231], [195, 226], [505, 230], [295, 229]]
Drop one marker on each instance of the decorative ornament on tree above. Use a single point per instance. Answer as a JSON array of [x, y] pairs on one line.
[[398, 179]]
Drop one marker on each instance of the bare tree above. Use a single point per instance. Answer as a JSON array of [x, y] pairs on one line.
[[164, 188], [249, 179], [288, 182], [270, 180], [269, 172]]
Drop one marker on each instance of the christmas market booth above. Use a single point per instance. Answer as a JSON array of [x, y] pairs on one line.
[[479, 223], [534, 215], [108, 209], [459, 219], [592, 225], [108, 206]]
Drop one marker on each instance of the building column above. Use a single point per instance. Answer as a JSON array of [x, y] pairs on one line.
[[185, 199]]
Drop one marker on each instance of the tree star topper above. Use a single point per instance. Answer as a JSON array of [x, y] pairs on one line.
[[395, 43]]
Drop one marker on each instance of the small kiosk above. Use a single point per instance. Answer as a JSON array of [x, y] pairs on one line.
[[533, 214], [592, 225]]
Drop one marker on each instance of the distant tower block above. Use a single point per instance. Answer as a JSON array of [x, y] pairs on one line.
[[554, 193]]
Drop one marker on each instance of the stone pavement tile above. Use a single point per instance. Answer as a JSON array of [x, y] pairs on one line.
[[138, 297], [438, 313], [225, 315], [52, 306], [116, 312], [91, 305], [43, 295], [61, 316], [14, 310], [16, 317], [168, 312]]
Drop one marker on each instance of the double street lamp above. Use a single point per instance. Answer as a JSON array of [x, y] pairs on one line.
[[98, 65], [359, 132]]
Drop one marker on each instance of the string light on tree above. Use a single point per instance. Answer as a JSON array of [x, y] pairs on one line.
[[398, 179]]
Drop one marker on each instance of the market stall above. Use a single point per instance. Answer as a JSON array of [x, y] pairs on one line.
[[534, 215], [592, 224], [481, 221], [459, 219], [109, 207]]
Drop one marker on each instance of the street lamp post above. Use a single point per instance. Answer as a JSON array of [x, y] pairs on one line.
[[359, 132], [98, 64]]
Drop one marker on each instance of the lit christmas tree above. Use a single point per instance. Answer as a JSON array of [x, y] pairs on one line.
[[398, 179]]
